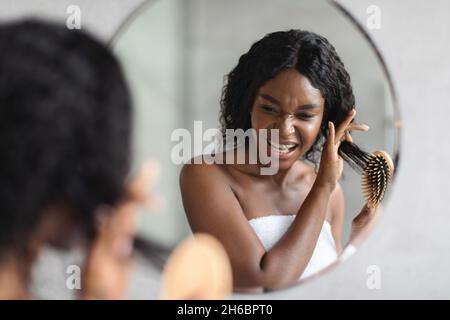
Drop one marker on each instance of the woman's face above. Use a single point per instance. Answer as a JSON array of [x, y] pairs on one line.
[[292, 105]]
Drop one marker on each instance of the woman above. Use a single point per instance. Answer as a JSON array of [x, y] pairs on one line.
[[281, 227], [65, 123]]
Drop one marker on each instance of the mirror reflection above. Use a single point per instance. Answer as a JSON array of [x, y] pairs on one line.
[[224, 92]]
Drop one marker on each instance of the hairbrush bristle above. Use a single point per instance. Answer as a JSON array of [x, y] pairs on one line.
[[376, 176]]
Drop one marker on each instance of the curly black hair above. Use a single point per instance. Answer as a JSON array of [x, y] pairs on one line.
[[312, 56], [65, 122]]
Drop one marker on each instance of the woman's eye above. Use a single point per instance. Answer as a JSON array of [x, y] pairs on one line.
[[268, 109], [305, 116]]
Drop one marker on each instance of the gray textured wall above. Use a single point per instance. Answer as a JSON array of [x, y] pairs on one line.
[[410, 244]]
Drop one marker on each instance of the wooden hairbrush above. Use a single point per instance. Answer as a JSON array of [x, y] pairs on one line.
[[198, 269], [376, 176]]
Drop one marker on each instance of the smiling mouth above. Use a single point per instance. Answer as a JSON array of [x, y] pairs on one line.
[[282, 148]]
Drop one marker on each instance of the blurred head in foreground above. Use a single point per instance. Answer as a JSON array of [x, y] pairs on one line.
[[65, 120]]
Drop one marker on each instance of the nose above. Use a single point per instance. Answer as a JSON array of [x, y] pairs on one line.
[[286, 126]]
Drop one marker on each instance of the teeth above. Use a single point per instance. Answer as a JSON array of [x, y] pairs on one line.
[[282, 147]]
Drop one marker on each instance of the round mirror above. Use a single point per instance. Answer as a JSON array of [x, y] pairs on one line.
[[177, 54]]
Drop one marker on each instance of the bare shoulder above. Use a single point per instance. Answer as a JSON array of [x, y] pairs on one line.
[[198, 172], [212, 182], [203, 186]]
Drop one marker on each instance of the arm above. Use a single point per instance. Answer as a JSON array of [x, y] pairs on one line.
[[211, 207], [337, 216]]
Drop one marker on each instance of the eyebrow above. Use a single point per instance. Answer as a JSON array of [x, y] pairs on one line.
[[307, 106]]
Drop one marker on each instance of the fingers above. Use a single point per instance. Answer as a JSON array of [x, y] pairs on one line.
[[343, 126], [331, 134], [115, 221], [140, 185], [146, 177], [357, 126], [348, 137], [343, 132], [116, 228]]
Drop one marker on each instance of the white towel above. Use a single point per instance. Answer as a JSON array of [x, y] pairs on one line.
[[270, 229]]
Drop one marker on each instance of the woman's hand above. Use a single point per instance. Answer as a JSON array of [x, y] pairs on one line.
[[363, 223], [331, 163], [109, 261]]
